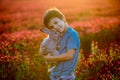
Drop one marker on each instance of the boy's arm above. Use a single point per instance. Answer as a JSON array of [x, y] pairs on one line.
[[61, 57]]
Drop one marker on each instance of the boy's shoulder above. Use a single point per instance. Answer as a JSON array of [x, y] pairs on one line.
[[72, 31]]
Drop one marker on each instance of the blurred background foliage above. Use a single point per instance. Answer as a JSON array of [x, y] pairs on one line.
[[96, 21]]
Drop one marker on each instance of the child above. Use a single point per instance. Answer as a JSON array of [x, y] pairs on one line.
[[69, 46]]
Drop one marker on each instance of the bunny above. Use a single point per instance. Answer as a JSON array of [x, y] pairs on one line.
[[50, 44]]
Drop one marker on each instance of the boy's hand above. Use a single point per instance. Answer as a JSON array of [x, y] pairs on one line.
[[47, 57], [42, 50]]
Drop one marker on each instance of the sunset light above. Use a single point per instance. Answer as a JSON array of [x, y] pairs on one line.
[[96, 21]]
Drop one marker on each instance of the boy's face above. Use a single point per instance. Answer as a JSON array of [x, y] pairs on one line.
[[57, 24]]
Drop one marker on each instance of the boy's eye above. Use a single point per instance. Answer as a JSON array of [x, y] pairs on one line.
[[55, 22], [50, 27]]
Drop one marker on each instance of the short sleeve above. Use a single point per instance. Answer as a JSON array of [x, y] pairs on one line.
[[73, 41]]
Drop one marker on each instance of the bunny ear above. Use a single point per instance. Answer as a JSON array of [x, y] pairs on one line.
[[45, 30]]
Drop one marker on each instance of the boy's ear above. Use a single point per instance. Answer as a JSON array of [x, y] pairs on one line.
[[45, 30]]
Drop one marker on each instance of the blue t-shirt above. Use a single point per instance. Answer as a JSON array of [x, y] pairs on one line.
[[70, 40]]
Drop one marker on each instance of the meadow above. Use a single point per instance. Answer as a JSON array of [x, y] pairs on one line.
[[98, 27]]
